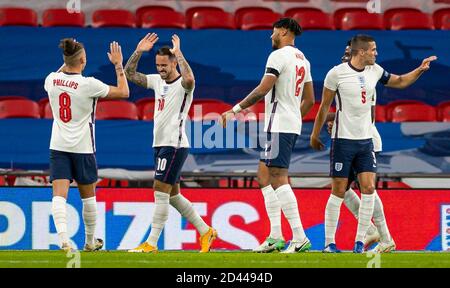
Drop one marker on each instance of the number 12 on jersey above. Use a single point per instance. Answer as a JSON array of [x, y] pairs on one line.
[[299, 80]]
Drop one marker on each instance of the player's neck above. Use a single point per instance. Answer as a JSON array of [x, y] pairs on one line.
[[72, 70], [287, 43], [172, 78], [357, 63]]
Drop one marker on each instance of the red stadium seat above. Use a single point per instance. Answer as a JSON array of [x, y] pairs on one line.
[[163, 19], [414, 113], [18, 17], [311, 116], [60, 17], [340, 14], [140, 104], [2, 98], [391, 106], [443, 111], [380, 113], [156, 9], [411, 20], [115, 110], [362, 20], [239, 13], [442, 19], [256, 112], [42, 103], [47, 113], [311, 19], [213, 20], [208, 111], [191, 11], [148, 111], [19, 109], [259, 20], [388, 14], [113, 18]]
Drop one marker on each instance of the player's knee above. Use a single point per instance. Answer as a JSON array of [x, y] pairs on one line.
[[368, 189], [263, 180], [162, 187]]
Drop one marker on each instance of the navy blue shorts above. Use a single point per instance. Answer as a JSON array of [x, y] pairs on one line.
[[73, 166], [169, 162], [347, 154], [354, 176], [278, 150]]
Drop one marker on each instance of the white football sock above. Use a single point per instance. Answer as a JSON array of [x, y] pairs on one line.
[[90, 219], [332, 213], [352, 201], [365, 216], [59, 212], [289, 206], [184, 206], [160, 217], [380, 220], [273, 208]]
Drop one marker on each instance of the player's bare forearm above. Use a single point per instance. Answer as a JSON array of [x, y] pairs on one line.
[[406, 80], [131, 73], [254, 97], [308, 99], [187, 74], [122, 82], [327, 99]]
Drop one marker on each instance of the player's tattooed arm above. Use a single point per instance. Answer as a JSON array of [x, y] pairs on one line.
[[187, 74], [131, 73], [254, 97], [260, 92], [145, 45]]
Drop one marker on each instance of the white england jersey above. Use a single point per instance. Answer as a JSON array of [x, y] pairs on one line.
[[293, 70], [377, 142], [172, 104], [355, 96], [73, 100]]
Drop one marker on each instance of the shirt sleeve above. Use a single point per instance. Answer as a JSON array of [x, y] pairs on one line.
[[152, 80], [382, 74], [331, 80], [308, 76], [275, 64], [47, 83], [98, 88]]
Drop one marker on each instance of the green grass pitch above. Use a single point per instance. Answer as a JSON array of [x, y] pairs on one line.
[[57, 259]]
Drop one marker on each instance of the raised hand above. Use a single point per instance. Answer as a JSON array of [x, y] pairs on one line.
[[147, 43], [176, 44], [426, 63], [115, 54]]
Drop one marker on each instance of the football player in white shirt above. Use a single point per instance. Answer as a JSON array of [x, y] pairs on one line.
[[73, 99], [288, 91], [353, 84], [173, 93]]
